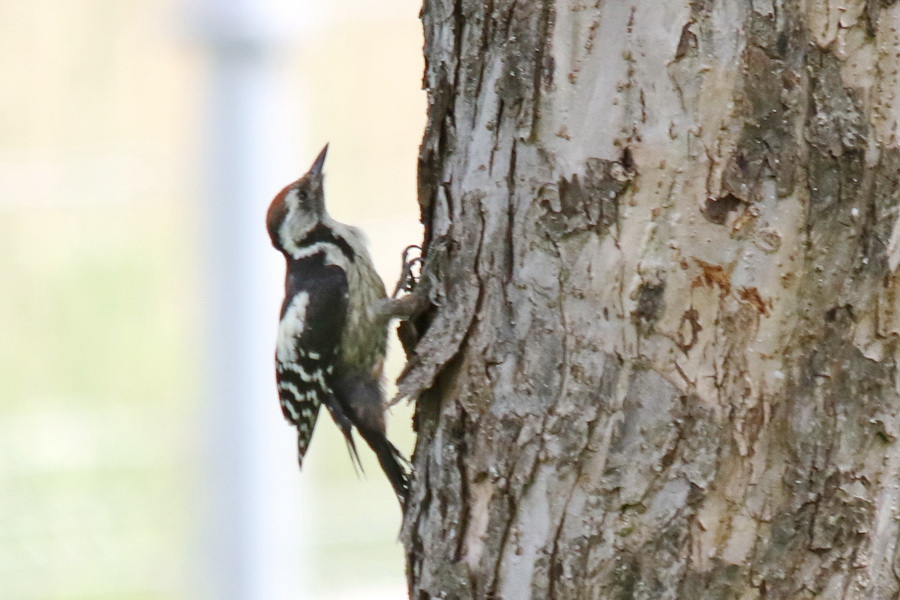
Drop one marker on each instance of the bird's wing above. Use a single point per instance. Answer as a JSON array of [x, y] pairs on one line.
[[312, 319]]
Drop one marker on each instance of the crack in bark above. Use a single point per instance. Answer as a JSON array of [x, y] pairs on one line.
[[488, 6], [512, 509], [510, 219], [497, 129], [580, 463], [543, 38], [464, 507]]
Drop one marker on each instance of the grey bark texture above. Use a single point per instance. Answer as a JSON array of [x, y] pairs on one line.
[[662, 362]]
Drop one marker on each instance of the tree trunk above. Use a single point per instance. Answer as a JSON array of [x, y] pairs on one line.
[[663, 239]]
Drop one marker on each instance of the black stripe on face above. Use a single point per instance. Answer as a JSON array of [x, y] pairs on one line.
[[321, 233]]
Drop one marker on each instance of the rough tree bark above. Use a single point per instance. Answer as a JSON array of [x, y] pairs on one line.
[[662, 360]]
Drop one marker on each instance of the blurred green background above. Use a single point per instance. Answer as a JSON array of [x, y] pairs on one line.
[[105, 452]]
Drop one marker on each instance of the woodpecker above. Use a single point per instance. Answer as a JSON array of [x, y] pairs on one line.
[[332, 335]]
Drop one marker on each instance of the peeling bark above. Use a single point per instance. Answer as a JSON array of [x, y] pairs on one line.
[[662, 240]]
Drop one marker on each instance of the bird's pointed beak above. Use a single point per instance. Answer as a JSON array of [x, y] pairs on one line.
[[316, 168]]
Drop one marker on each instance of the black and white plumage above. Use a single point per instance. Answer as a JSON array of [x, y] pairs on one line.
[[332, 335]]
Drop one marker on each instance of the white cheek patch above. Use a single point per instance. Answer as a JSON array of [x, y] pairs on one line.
[[295, 226], [290, 328]]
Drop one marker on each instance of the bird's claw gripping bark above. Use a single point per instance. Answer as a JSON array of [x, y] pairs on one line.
[[408, 276]]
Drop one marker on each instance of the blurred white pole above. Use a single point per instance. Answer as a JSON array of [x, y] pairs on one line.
[[253, 530]]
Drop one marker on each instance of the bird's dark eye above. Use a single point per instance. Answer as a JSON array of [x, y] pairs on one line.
[[303, 195]]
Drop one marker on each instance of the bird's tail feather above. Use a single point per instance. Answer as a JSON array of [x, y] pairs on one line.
[[346, 427], [392, 462]]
